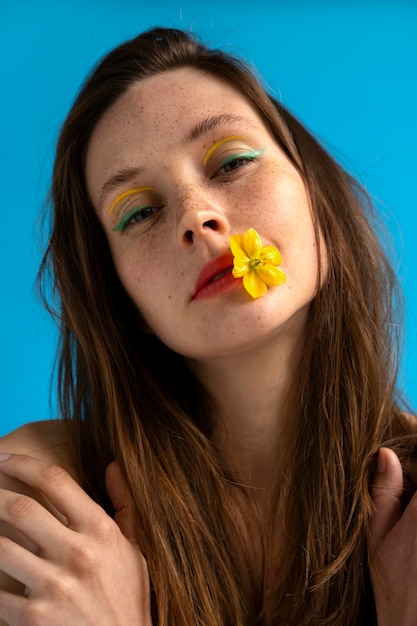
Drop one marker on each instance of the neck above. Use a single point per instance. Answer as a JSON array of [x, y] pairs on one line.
[[250, 393]]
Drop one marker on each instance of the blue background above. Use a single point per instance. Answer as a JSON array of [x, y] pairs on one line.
[[347, 69]]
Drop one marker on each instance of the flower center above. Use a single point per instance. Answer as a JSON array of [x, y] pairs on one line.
[[254, 263]]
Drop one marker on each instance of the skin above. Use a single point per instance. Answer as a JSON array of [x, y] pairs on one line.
[[67, 578], [225, 339], [393, 545], [200, 204]]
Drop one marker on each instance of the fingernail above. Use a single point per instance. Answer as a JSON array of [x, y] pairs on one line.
[[381, 462], [4, 456]]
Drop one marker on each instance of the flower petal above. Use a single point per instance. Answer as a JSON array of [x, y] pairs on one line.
[[270, 255], [241, 267], [271, 276], [252, 243], [254, 285], [236, 246]]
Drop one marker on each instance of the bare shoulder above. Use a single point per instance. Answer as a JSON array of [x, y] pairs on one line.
[[46, 441]]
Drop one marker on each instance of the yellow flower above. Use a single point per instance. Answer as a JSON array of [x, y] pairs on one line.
[[257, 265]]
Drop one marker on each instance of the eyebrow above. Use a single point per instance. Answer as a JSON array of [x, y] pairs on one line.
[[209, 124], [121, 177]]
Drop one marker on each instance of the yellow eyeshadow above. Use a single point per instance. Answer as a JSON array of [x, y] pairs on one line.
[[128, 193], [216, 145]]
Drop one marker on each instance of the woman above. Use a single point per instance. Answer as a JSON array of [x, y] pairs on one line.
[[232, 434]]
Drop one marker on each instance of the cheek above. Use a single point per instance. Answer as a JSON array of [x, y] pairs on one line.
[[281, 196], [295, 235], [147, 280], [135, 258]]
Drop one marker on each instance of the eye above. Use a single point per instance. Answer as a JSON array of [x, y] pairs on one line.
[[234, 162], [136, 215]]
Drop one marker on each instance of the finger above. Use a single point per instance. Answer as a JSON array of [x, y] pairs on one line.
[[58, 486], [121, 500], [386, 494], [13, 608], [20, 564], [33, 521]]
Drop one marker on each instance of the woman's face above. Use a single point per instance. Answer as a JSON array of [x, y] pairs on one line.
[[168, 193]]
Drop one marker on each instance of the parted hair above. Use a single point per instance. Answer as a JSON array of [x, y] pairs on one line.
[[125, 396]]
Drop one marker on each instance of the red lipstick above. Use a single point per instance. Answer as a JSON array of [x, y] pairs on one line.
[[215, 278]]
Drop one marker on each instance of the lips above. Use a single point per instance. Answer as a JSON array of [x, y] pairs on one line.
[[214, 274]]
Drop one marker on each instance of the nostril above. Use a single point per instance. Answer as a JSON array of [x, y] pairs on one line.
[[189, 235], [212, 224]]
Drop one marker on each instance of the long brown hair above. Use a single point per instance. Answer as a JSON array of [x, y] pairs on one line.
[[126, 396]]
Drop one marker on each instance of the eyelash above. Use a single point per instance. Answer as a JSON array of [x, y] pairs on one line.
[[243, 158], [127, 220]]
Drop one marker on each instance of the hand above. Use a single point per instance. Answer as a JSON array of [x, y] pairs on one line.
[[393, 546], [86, 572], [121, 500]]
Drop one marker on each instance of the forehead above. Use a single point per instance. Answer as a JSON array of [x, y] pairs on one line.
[[173, 95], [166, 106]]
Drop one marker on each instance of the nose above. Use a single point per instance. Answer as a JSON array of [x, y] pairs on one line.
[[199, 218]]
